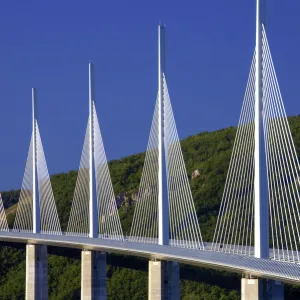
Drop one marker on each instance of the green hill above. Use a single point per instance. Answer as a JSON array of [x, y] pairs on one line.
[[208, 153]]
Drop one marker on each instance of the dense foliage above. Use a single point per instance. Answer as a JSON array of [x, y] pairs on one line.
[[209, 153]]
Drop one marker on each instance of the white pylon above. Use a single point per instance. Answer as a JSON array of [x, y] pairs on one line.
[[261, 201], [35, 198], [163, 203], [93, 206]]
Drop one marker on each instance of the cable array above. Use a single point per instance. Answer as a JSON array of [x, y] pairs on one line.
[[23, 219], [183, 222], [109, 224], [184, 226], [109, 220], [49, 216], [234, 229], [48, 212], [78, 223], [145, 219], [3, 220], [283, 167]]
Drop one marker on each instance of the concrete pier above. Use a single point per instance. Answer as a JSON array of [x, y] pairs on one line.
[[164, 280], [261, 289], [93, 275], [36, 272]]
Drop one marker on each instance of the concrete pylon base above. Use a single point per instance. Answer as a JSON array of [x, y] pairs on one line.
[[164, 280], [93, 275], [36, 272], [261, 289]]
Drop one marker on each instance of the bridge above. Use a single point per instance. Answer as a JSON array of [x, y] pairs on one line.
[[257, 231]]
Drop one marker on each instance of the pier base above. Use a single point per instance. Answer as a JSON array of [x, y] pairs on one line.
[[93, 275], [36, 286], [261, 289], [164, 281]]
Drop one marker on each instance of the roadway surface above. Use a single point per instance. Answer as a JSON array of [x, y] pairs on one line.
[[265, 268]]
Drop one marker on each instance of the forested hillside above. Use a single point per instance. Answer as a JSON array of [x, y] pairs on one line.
[[207, 158]]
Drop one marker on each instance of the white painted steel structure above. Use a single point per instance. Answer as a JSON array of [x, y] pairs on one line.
[[94, 211], [165, 208], [36, 208], [93, 207], [163, 201], [263, 201], [3, 220], [282, 271], [35, 199], [261, 207], [261, 192]]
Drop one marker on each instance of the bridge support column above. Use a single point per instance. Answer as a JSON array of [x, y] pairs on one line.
[[93, 275], [36, 272], [261, 289], [164, 281]]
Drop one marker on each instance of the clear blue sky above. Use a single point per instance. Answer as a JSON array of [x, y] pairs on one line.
[[47, 45]]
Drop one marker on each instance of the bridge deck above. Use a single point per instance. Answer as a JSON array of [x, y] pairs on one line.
[[283, 271]]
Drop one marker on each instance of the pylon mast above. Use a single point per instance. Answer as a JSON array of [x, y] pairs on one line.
[[93, 211], [261, 201], [163, 203], [35, 198]]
